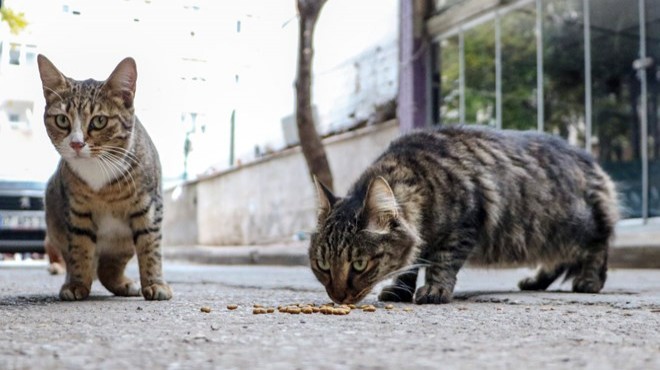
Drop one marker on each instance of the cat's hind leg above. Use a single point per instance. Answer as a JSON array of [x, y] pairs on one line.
[[111, 270], [590, 272], [402, 289], [55, 260], [545, 276]]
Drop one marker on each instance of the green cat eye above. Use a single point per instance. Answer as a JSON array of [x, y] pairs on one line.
[[62, 121], [359, 265], [99, 122], [323, 265]]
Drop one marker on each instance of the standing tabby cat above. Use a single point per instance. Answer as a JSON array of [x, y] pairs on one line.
[[440, 198], [104, 201]]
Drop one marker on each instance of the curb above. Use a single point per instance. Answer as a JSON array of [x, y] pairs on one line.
[[294, 254]]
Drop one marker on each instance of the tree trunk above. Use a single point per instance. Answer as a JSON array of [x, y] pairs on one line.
[[310, 142]]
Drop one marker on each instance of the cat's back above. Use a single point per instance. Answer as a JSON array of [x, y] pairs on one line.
[[460, 138], [522, 190]]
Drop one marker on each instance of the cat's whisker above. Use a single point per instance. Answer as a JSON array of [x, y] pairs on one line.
[[116, 163], [411, 269], [428, 262], [120, 172], [106, 171], [114, 171], [119, 151], [125, 171]]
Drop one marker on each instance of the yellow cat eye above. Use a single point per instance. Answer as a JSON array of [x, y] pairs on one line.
[[323, 265], [359, 265], [99, 122], [62, 121]]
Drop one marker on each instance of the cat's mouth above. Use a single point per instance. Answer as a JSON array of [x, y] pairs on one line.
[[349, 298]]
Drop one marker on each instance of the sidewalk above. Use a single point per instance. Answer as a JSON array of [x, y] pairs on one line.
[[284, 254], [636, 246]]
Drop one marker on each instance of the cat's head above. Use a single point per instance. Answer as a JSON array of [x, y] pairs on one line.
[[359, 241], [89, 119]]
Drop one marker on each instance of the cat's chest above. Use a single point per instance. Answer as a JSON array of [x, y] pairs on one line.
[[95, 173], [111, 227]]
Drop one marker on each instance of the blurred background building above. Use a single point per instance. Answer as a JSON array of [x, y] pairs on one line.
[[586, 70], [215, 91]]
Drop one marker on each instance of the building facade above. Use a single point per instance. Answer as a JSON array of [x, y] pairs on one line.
[[586, 70]]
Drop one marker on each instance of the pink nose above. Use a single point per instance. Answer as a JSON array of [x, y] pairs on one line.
[[77, 145]]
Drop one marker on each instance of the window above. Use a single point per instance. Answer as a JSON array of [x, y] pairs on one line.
[[600, 82], [15, 54], [518, 45], [563, 70], [479, 50], [449, 109]]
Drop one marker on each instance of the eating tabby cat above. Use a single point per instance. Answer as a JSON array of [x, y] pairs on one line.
[[439, 198]]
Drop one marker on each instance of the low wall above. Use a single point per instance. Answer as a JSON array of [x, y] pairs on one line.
[[269, 200]]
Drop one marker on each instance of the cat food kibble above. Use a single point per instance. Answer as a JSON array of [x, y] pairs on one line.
[[293, 310], [311, 308], [205, 309], [307, 310]]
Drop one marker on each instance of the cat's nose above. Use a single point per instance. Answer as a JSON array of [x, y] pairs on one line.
[[337, 295], [77, 145]]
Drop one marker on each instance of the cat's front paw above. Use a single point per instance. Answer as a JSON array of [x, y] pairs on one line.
[[395, 293], [433, 294], [157, 292], [530, 283], [587, 285], [74, 292]]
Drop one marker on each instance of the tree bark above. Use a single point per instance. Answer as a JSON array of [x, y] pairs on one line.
[[310, 142]]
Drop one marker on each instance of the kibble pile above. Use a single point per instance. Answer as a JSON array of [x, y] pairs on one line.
[[310, 308]]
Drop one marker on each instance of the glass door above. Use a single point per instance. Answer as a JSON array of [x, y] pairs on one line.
[[616, 96]]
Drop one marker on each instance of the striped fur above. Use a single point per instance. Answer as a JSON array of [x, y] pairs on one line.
[[463, 194], [103, 203]]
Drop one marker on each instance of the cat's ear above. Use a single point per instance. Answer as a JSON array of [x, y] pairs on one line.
[[380, 205], [52, 80], [122, 81], [326, 199]]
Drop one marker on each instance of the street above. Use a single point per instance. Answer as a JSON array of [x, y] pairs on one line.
[[490, 324]]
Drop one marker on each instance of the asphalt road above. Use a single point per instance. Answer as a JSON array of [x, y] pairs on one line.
[[490, 325]]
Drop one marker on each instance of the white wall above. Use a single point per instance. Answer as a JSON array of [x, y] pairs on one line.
[[269, 200]]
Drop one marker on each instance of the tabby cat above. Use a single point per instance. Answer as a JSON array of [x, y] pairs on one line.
[[103, 203], [437, 199]]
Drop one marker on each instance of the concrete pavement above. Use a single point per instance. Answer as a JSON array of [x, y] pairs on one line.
[[490, 325]]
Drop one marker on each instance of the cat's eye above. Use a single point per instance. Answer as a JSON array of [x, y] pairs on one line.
[[360, 265], [62, 121], [323, 265], [99, 122]]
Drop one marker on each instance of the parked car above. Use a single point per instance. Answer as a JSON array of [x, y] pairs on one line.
[[22, 219]]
